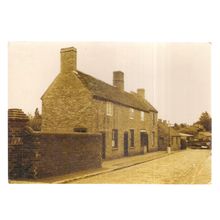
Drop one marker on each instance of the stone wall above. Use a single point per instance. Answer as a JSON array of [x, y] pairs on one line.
[[67, 104]]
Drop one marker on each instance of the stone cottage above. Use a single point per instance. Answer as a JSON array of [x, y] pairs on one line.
[[168, 136], [78, 102]]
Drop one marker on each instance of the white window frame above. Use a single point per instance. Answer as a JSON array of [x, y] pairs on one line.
[[131, 113], [142, 116], [109, 108], [114, 142]]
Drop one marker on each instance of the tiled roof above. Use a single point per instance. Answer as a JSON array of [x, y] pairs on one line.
[[107, 92]]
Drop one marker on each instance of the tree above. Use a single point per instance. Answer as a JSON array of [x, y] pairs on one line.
[[206, 121]]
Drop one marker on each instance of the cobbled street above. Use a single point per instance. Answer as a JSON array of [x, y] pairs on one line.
[[185, 167]]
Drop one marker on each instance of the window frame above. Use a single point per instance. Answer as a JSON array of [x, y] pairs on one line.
[[131, 113], [142, 116], [114, 138], [109, 108]]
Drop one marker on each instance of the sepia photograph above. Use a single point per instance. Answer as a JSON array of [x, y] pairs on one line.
[[109, 110], [109, 113]]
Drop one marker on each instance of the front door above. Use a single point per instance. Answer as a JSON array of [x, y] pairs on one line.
[[125, 143], [144, 141]]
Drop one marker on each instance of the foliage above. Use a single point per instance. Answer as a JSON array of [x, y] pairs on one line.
[[206, 121], [35, 122]]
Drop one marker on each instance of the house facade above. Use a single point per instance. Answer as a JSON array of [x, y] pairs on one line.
[[78, 102], [167, 136]]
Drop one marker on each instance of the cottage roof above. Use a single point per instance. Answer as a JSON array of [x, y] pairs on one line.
[[102, 90]]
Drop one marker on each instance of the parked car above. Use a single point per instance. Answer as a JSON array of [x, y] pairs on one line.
[[200, 145]]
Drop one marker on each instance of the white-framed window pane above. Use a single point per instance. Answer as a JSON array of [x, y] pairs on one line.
[[114, 138], [142, 116], [109, 108], [131, 113]]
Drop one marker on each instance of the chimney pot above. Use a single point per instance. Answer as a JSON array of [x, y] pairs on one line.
[[141, 93], [118, 80]]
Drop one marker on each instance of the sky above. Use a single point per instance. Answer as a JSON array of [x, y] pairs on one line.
[[176, 76]]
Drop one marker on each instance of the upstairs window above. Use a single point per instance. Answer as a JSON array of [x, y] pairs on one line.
[[114, 138], [131, 113], [109, 108], [142, 116]]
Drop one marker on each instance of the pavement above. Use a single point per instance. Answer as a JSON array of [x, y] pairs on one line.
[[107, 167]]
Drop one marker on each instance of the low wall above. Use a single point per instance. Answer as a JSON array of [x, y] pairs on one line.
[[58, 154], [37, 155]]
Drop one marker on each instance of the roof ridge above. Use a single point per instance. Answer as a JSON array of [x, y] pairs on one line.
[[109, 92]]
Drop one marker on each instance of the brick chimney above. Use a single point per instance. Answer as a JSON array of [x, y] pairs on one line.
[[118, 80], [141, 93], [68, 59]]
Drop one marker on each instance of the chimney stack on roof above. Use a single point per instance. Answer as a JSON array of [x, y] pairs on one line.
[[141, 93], [68, 59], [118, 80]]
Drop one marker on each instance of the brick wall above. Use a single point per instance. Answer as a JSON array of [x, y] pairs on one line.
[[58, 154], [36, 155], [43, 155]]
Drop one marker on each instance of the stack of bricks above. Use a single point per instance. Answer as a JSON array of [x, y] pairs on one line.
[[17, 121]]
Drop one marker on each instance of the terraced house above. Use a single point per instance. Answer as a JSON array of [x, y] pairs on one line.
[[78, 102]]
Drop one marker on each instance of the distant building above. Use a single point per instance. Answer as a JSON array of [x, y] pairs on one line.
[[78, 102], [167, 136]]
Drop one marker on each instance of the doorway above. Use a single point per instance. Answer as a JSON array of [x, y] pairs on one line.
[[144, 141]]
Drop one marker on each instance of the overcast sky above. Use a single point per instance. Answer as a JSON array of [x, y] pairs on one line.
[[176, 76]]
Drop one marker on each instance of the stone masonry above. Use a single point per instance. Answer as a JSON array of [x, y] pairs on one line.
[[76, 100]]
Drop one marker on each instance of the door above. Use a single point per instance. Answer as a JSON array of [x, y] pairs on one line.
[[103, 145], [144, 141], [125, 143]]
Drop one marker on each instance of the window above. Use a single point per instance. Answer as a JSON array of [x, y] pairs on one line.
[[142, 116], [114, 138], [131, 137], [131, 111], [109, 108]]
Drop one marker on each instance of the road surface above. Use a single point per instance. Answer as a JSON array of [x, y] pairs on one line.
[[185, 167]]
